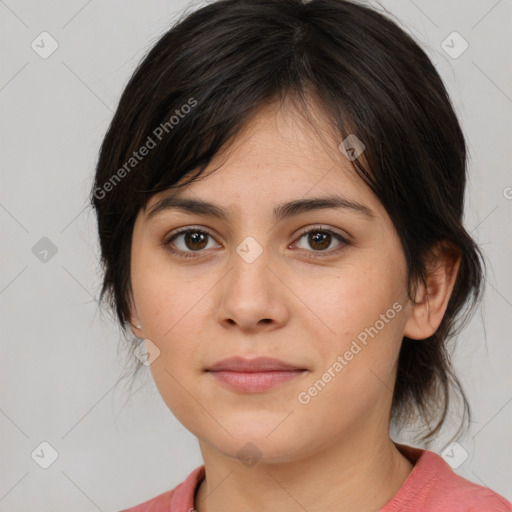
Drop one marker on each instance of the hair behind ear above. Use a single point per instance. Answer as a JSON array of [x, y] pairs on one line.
[[426, 382]]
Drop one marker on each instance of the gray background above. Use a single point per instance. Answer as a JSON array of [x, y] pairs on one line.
[[60, 359]]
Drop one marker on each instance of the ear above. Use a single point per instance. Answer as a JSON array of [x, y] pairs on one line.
[[428, 310], [134, 319]]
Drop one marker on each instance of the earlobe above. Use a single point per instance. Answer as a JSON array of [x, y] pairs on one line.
[[430, 303]]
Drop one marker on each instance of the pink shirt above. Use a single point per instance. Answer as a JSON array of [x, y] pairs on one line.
[[432, 486]]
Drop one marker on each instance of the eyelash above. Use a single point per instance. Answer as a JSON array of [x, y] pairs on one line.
[[315, 229]]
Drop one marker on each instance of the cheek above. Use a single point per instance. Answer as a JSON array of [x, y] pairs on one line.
[[353, 299], [166, 296], [361, 310], [167, 305]]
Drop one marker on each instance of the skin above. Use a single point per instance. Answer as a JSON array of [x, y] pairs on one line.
[[335, 452]]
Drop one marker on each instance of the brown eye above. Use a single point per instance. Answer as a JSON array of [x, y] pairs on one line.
[[191, 242], [319, 240], [195, 240], [188, 240]]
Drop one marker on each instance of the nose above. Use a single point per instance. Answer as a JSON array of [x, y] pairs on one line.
[[252, 295]]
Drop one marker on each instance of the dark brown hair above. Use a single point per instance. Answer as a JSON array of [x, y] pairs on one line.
[[216, 67]]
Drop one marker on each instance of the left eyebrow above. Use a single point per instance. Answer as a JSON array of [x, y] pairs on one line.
[[281, 211]]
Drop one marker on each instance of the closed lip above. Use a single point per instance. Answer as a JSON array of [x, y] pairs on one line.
[[259, 364]]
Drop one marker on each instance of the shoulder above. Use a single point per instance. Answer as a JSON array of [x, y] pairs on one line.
[[179, 499], [475, 497], [433, 486], [160, 503]]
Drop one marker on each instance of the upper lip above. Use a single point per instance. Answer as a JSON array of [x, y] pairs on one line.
[[259, 364]]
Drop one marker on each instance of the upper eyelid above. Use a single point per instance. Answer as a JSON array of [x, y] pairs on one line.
[[319, 227]]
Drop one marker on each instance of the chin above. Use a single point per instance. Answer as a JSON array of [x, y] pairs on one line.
[[259, 451], [254, 446]]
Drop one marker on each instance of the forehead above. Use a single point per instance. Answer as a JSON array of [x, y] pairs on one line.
[[276, 157]]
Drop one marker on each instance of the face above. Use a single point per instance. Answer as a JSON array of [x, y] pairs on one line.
[[322, 289]]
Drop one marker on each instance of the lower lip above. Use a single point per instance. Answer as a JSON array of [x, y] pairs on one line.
[[254, 382]]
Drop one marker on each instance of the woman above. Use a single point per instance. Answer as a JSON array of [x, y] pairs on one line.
[[280, 201]]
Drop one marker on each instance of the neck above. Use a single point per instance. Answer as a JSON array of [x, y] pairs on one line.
[[344, 477]]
